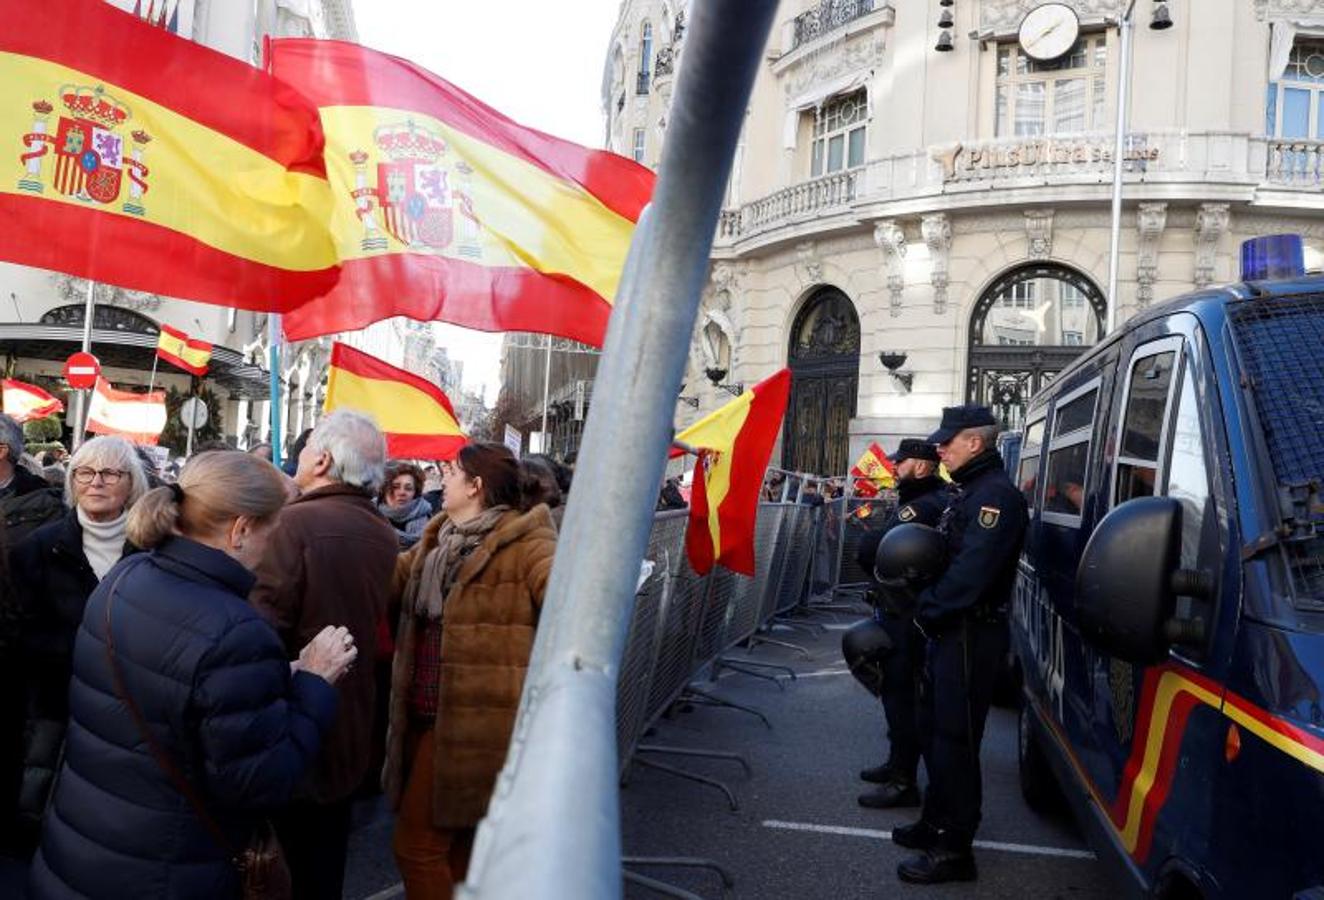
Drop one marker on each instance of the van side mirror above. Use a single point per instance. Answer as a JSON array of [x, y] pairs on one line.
[[1125, 591]]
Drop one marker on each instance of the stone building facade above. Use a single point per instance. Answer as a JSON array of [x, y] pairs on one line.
[[909, 227]]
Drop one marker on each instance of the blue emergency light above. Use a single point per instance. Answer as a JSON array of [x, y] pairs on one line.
[[1272, 256]]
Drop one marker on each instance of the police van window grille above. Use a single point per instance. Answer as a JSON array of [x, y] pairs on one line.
[[1280, 341]]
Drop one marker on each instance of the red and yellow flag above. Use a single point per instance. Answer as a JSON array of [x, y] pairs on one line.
[[415, 415], [139, 417], [446, 209], [147, 161], [177, 348], [735, 444], [873, 471], [24, 402]]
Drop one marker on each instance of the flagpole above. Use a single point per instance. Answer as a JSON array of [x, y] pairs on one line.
[[546, 393], [273, 341], [80, 414], [151, 382]]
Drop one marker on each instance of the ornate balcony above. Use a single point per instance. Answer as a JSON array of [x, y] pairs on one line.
[[1296, 163], [664, 63], [1170, 166], [808, 200], [828, 16]]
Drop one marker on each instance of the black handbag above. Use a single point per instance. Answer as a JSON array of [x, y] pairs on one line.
[[263, 871]]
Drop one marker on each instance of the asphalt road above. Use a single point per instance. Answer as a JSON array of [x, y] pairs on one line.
[[798, 833]]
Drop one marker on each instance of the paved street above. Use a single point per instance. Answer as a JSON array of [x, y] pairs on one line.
[[798, 832]]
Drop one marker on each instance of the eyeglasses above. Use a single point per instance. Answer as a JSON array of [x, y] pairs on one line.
[[84, 475]]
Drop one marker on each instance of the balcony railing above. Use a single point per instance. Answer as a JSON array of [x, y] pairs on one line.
[[810, 198], [828, 16], [641, 83], [1296, 162]]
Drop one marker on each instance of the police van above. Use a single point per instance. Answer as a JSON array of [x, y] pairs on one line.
[[1169, 609]]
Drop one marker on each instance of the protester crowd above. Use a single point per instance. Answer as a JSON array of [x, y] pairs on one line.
[[206, 665]]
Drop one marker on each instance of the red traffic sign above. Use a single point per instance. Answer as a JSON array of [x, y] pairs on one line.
[[81, 370]]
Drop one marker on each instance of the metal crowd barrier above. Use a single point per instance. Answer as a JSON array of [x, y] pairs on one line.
[[683, 622]]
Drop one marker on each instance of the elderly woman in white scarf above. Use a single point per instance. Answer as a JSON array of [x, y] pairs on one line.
[[53, 571]]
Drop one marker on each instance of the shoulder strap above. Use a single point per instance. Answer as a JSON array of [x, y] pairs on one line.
[[158, 752]]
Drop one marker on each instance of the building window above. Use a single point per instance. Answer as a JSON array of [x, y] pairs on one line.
[[1073, 339], [645, 58], [1021, 296], [839, 134], [1296, 108], [1059, 97], [638, 151]]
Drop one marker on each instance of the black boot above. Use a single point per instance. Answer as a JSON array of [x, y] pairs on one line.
[[918, 836], [879, 774], [938, 866], [893, 795]]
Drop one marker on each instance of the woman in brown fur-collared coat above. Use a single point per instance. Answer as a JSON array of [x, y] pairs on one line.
[[469, 595]]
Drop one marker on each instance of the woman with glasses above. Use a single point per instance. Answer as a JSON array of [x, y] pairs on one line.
[[53, 571]]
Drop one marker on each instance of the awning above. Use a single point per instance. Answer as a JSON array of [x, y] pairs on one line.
[[130, 350], [817, 96]]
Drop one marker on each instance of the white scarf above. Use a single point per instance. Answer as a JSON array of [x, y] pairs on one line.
[[103, 542]]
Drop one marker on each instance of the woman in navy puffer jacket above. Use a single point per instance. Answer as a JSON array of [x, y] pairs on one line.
[[213, 683]]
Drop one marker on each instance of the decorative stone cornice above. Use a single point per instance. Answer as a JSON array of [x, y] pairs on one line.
[[891, 239], [1039, 233], [999, 17], [1266, 9], [937, 232], [1211, 223], [1151, 219]]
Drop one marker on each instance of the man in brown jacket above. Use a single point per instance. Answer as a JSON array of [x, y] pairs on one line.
[[329, 560]]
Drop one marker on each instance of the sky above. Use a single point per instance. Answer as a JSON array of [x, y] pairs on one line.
[[539, 63]]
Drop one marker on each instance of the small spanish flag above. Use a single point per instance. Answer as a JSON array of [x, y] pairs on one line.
[[24, 402], [873, 471], [415, 415], [177, 348], [446, 209], [139, 417], [735, 444]]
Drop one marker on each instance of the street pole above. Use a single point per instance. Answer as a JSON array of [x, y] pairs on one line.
[[1124, 26], [80, 413], [546, 393], [273, 343]]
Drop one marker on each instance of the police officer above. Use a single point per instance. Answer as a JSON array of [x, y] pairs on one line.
[[893, 678], [963, 615]]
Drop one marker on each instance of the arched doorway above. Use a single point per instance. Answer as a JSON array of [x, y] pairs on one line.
[[824, 357], [1028, 326]]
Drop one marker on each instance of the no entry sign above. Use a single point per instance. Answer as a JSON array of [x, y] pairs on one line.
[[81, 370]]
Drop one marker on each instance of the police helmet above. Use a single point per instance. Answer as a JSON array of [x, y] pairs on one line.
[[864, 646], [910, 552]]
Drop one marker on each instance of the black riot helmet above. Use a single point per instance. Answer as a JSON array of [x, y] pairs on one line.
[[865, 648], [910, 552]]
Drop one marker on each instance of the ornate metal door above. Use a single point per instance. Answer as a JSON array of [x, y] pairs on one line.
[[825, 363], [1028, 326]]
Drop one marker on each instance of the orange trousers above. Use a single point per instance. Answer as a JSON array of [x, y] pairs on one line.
[[431, 860]]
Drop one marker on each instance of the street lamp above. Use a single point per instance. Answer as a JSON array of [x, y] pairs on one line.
[[1160, 20]]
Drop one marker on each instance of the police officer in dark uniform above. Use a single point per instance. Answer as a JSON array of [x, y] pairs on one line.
[[963, 615], [891, 672]]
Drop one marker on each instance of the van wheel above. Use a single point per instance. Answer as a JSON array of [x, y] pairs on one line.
[[1038, 786]]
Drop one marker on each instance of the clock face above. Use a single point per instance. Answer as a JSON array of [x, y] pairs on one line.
[[1049, 31]]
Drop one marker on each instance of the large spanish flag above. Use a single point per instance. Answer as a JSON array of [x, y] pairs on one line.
[[177, 348], [735, 443], [140, 159], [446, 209], [415, 414], [139, 417], [23, 401]]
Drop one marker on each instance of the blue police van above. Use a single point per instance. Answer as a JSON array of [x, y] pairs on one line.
[[1169, 609]]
